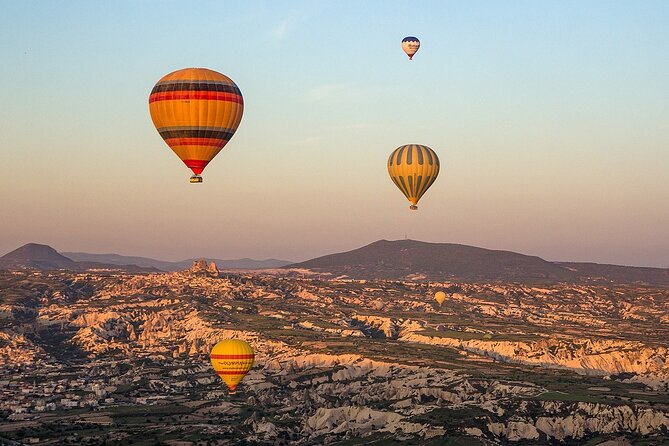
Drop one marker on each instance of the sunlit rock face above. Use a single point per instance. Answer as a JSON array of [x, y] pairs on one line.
[[200, 268], [212, 270], [576, 421], [583, 356]]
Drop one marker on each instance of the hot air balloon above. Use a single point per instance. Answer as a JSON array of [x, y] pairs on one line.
[[232, 359], [413, 168], [440, 297], [196, 111], [410, 45]]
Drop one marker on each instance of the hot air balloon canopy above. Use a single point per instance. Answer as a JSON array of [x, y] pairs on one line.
[[196, 111], [413, 168], [232, 359], [410, 45]]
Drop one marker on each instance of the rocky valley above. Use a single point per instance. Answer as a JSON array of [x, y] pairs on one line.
[[109, 357]]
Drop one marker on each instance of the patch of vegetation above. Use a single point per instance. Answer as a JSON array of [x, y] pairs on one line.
[[446, 417], [390, 440], [559, 396], [137, 414], [461, 335]]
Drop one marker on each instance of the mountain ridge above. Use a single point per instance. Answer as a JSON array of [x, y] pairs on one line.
[[164, 265], [39, 256], [382, 259], [411, 259]]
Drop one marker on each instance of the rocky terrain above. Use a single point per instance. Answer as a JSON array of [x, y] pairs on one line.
[[110, 357]]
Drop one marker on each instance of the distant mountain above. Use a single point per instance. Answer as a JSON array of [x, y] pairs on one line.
[[116, 259], [392, 260], [410, 259], [436, 261], [34, 255]]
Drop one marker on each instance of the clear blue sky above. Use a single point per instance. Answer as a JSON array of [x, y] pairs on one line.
[[551, 120]]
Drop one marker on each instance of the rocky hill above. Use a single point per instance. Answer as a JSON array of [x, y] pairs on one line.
[[415, 260]]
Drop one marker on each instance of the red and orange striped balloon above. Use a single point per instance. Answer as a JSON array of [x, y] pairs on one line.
[[232, 359], [196, 111]]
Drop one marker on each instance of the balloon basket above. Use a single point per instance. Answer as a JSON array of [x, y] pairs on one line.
[[196, 179], [413, 207]]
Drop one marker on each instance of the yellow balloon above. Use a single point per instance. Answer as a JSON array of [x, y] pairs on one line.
[[440, 297], [232, 359], [413, 168]]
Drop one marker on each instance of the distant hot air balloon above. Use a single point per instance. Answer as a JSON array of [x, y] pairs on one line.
[[440, 297], [410, 45], [232, 359], [413, 168], [196, 111]]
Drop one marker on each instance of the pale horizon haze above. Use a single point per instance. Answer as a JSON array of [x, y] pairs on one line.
[[551, 120]]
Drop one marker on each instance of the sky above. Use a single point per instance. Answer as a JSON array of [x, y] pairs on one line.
[[551, 121]]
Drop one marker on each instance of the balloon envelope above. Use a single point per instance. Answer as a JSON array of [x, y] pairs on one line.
[[196, 111], [413, 168], [440, 297], [410, 45], [232, 359]]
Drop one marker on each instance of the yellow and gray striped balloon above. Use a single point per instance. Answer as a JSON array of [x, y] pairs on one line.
[[413, 168]]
